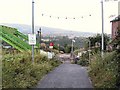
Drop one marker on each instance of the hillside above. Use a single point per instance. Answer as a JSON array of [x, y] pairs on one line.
[[49, 31]]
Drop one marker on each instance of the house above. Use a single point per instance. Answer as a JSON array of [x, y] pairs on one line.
[[115, 26]]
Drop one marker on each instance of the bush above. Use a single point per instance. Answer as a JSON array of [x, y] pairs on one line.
[[84, 59], [104, 72], [83, 62], [18, 71], [118, 75]]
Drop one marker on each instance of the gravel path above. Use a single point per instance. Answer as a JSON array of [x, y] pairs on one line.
[[66, 76]]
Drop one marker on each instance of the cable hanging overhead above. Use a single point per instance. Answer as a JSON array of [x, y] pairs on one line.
[[66, 17]]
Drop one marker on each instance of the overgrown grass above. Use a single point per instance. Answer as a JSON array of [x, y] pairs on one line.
[[18, 70], [104, 72]]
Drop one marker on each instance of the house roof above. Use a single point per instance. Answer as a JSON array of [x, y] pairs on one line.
[[116, 19]]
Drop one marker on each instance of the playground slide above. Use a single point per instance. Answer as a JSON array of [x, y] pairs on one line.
[[15, 38]]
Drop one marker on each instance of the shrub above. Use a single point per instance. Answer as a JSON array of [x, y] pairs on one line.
[[18, 71], [83, 62], [84, 59], [103, 72]]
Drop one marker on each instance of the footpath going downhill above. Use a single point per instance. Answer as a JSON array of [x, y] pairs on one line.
[[66, 76]]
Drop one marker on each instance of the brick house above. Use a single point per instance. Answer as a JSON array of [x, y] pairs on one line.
[[115, 26]]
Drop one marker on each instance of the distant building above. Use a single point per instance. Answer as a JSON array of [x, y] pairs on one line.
[[115, 26]]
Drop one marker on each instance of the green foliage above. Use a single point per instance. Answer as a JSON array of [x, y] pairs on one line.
[[83, 62], [116, 46], [77, 51], [95, 41], [116, 42], [64, 41], [18, 71], [67, 48], [56, 47], [104, 72], [84, 59], [118, 76]]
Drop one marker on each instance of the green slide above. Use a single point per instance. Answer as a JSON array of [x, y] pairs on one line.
[[15, 38]]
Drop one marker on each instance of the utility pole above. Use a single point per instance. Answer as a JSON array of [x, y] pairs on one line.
[[33, 29], [102, 9]]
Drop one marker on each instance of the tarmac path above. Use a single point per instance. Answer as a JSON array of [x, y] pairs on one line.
[[66, 76]]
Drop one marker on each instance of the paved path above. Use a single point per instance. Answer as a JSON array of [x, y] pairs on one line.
[[66, 76]]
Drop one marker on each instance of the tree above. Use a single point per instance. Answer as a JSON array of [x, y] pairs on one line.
[[68, 49], [98, 40], [56, 47]]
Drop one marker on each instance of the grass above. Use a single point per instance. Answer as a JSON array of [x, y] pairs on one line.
[[18, 71]]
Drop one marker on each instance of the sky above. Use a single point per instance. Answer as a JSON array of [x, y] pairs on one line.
[[20, 12]]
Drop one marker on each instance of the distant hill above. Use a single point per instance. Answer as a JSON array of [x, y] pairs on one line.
[[47, 31]]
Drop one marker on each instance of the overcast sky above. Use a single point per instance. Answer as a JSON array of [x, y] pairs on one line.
[[19, 12]]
